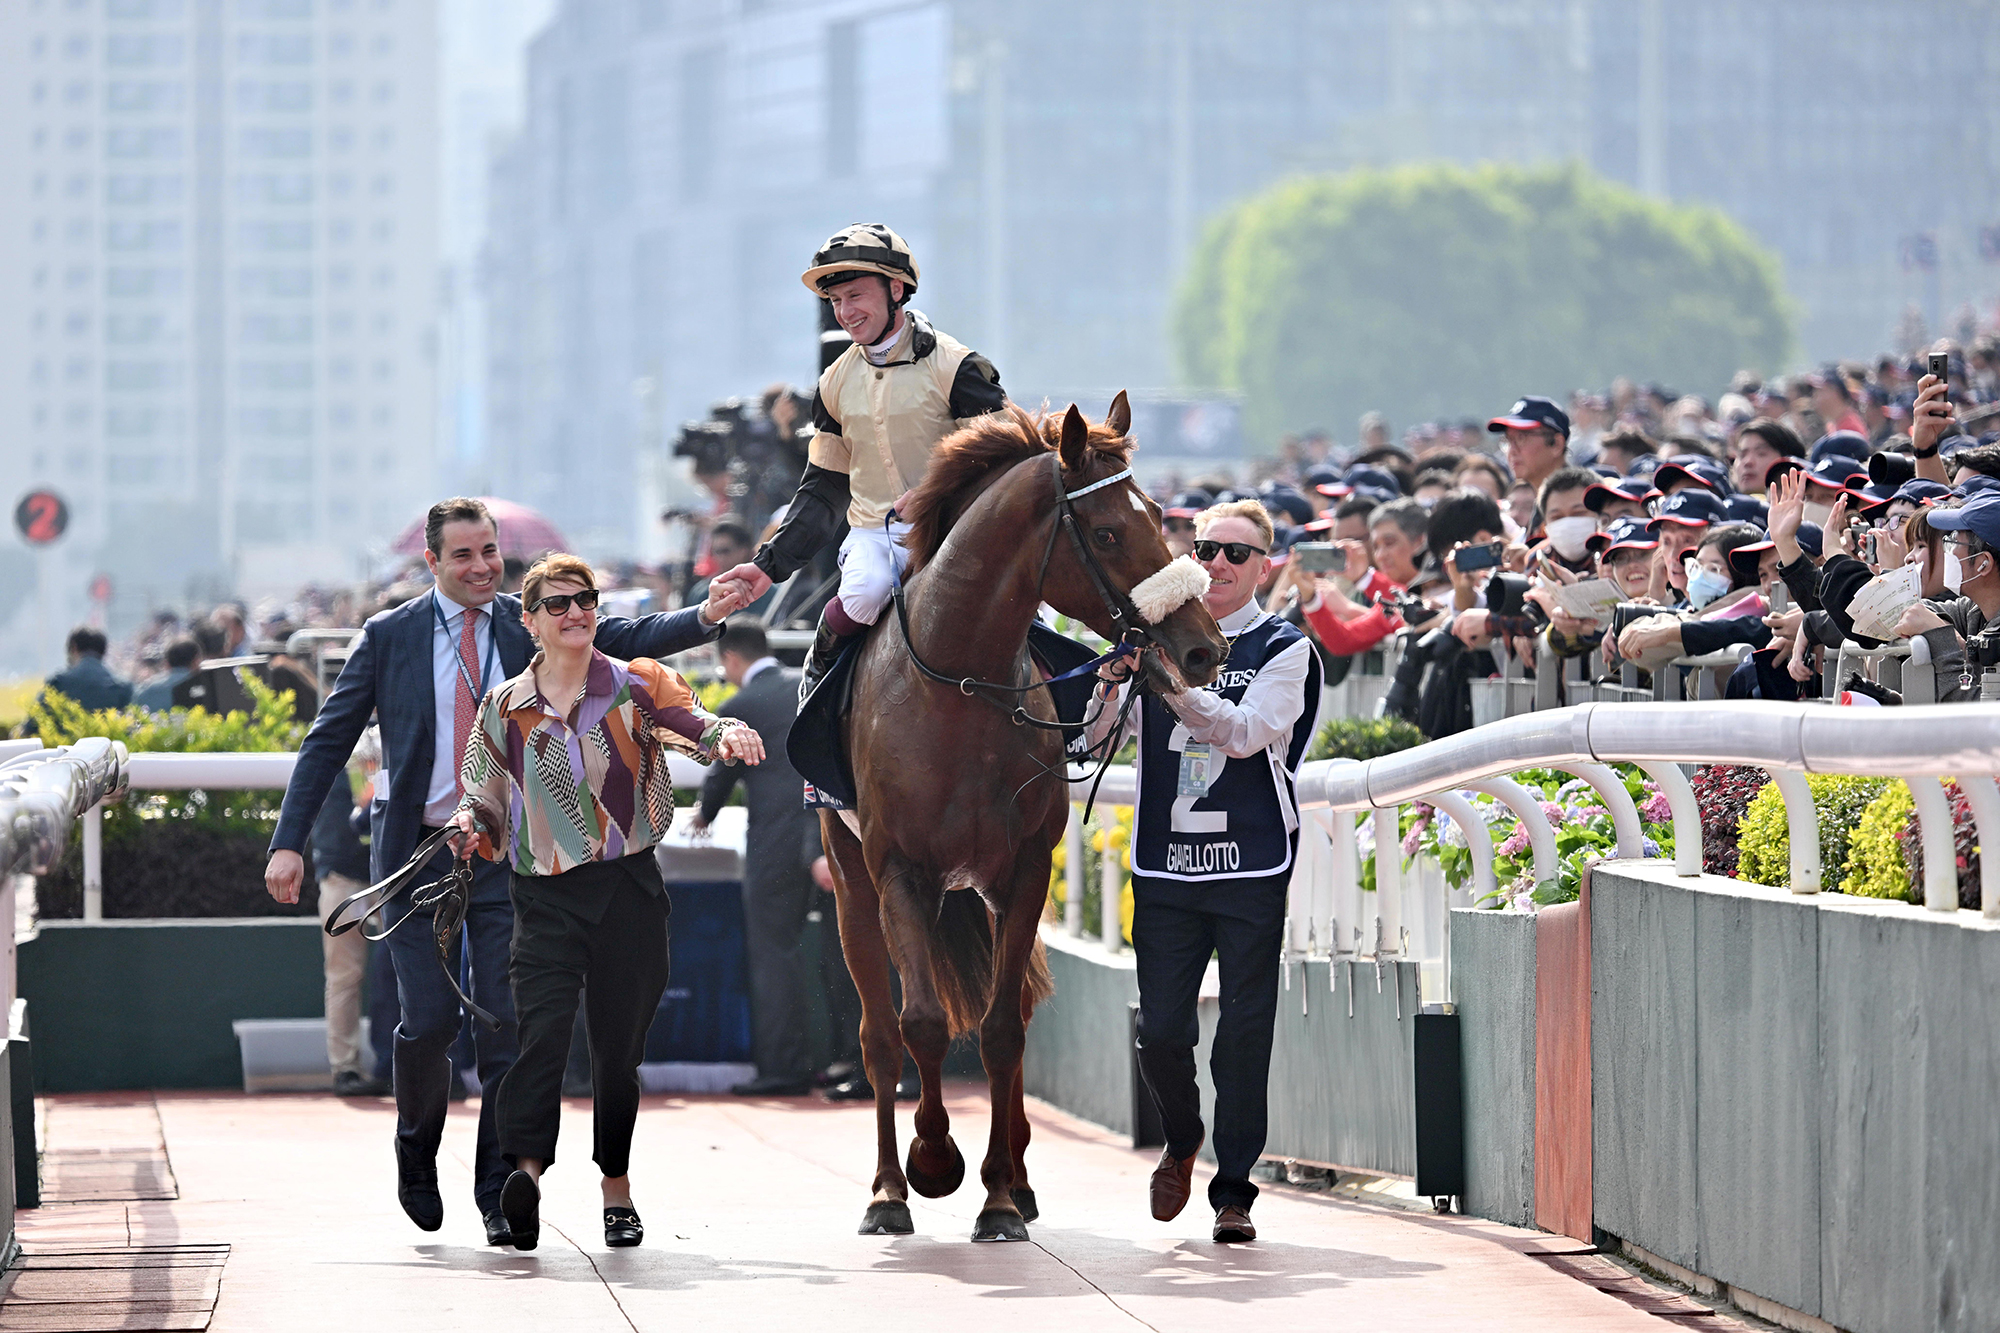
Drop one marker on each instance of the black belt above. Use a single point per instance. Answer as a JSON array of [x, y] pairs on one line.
[[448, 898]]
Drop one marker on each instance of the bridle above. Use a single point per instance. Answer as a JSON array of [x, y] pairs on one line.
[[1134, 634], [448, 898]]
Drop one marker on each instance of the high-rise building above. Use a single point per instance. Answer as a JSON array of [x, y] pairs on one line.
[[217, 288]]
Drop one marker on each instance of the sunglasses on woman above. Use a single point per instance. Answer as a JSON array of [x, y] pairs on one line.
[[1237, 552], [558, 604]]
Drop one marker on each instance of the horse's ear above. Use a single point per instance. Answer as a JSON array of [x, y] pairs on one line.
[[1075, 438], [1119, 418]]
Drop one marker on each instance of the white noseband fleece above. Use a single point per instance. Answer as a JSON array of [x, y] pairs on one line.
[[1166, 590]]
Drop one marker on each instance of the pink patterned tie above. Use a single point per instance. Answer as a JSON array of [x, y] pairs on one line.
[[466, 705]]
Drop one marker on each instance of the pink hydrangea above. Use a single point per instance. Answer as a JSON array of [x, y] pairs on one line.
[[1656, 809], [1555, 814], [1516, 843], [1413, 840]]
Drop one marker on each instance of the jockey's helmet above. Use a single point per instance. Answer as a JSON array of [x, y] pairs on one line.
[[865, 247]]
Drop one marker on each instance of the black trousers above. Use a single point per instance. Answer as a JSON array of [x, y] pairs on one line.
[[1176, 928], [600, 929], [777, 894]]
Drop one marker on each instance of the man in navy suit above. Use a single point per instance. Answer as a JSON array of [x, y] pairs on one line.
[[422, 668]]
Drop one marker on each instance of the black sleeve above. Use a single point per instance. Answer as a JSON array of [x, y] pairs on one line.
[[812, 520], [822, 419], [1840, 579], [1701, 637], [1802, 581], [976, 390]]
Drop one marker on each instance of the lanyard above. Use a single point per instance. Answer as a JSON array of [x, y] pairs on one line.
[[457, 658]]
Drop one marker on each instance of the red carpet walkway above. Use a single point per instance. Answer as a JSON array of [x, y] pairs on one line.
[[751, 1209]]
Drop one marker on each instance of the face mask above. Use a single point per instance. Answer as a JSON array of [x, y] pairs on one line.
[[1954, 572], [1817, 513], [1704, 585], [1571, 536]]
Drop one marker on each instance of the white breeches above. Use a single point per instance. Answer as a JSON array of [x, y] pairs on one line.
[[870, 560]]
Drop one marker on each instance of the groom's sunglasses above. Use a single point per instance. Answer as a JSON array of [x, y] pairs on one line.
[[1237, 552], [558, 605]]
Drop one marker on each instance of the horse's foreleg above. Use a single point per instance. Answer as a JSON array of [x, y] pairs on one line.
[[1002, 1040], [867, 955]]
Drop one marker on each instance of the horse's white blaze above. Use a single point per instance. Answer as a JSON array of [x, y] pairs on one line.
[[1164, 591], [1138, 502]]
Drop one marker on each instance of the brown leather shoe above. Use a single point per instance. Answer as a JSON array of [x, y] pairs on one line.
[[1173, 1181], [1233, 1224]]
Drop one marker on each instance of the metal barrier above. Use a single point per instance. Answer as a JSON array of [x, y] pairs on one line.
[[1407, 917]]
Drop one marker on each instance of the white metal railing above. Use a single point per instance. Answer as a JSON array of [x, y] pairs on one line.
[[228, 771], [1327, 914], [42, 793]]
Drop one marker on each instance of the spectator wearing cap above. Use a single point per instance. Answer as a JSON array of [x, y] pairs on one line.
[[1286, 504], [1719, 619], [1828, 482], [1177, 520], [1625, 448], [1851, 444], [1624, 549], [1758, 445], [1681, 521], [1375, 483], [1910, 499], [1621, 497], [1746, 509], [1537, 438], [1684, 470], [1397, 468]]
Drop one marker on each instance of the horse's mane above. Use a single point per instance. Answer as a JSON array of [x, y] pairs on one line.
[[966, 462]]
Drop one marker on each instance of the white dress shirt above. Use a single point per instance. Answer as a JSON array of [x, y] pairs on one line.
[[442, 799], [756, 669], [1271, 707]]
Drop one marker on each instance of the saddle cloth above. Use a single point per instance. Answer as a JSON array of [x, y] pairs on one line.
[[817, 746]]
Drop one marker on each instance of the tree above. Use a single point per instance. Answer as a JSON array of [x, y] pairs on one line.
[[1444, 291]]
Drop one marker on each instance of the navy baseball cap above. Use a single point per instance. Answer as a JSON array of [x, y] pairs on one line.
[[1844, 442], [1532, 413], [1811, 538], [1747, 509], [1632, 489], [1977, 483], [1296, 507], [1322, 474], [1188, 503], [1624, 534], [1923, 494], [1697, 468], [1374, 483], [1979, 516], [1745, 559], [1691, 507], [1837, 472]]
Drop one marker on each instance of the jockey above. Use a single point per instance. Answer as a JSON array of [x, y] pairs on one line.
[[879, 411]]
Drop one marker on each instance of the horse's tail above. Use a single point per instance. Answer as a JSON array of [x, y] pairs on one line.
[[962, 963]]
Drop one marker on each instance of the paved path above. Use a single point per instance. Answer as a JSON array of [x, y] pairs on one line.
[[751, 1209]]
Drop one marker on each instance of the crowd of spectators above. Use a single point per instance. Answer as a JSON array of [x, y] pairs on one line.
[[1758, 519]]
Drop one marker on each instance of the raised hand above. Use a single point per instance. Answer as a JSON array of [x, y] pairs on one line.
[[1787, 497]]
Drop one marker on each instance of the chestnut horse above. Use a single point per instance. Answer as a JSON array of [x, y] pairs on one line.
[[960, 805]]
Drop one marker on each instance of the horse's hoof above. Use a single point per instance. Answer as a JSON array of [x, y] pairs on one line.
[[999, 1224], [935, 1186], [1024, 1201], [889, 1217]]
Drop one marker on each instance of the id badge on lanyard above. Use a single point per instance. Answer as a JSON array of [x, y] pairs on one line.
[[1198, 770], [486, 659]]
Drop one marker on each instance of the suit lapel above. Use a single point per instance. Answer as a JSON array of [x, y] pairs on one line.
[[515, 645], [423, 675]]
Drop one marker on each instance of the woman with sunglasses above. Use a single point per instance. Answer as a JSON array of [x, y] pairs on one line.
[[566, 779]]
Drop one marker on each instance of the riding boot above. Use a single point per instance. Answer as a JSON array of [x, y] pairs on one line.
[[825, 652]]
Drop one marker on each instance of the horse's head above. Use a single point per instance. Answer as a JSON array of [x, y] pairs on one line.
[[1120, 531]]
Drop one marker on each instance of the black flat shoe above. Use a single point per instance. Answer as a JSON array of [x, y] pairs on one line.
[[853, 1090], [521, 1204], [497, 1230], [417, 1190], [622, 1228]]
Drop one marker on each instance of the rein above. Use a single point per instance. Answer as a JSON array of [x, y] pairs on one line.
[[1124, 615], [448, 898]]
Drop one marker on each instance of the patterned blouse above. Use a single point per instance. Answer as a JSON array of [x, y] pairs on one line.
[[559, 796]]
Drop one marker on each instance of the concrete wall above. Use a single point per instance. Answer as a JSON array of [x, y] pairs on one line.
[[1079, 1054], [148, 1004], [1493, 984], [1795, 1095]]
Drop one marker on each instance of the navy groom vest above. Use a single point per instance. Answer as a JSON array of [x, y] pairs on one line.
[[1246, 825]]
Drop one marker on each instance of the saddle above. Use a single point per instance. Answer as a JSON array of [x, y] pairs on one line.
[[817, 746]]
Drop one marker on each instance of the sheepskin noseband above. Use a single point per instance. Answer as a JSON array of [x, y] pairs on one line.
[[1166, 590]]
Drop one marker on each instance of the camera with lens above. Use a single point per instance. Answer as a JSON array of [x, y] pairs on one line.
[[1414, 611], [1406, 687]]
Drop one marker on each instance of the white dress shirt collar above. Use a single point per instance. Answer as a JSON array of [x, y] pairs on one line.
[[1242, 618], [757, 668]]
